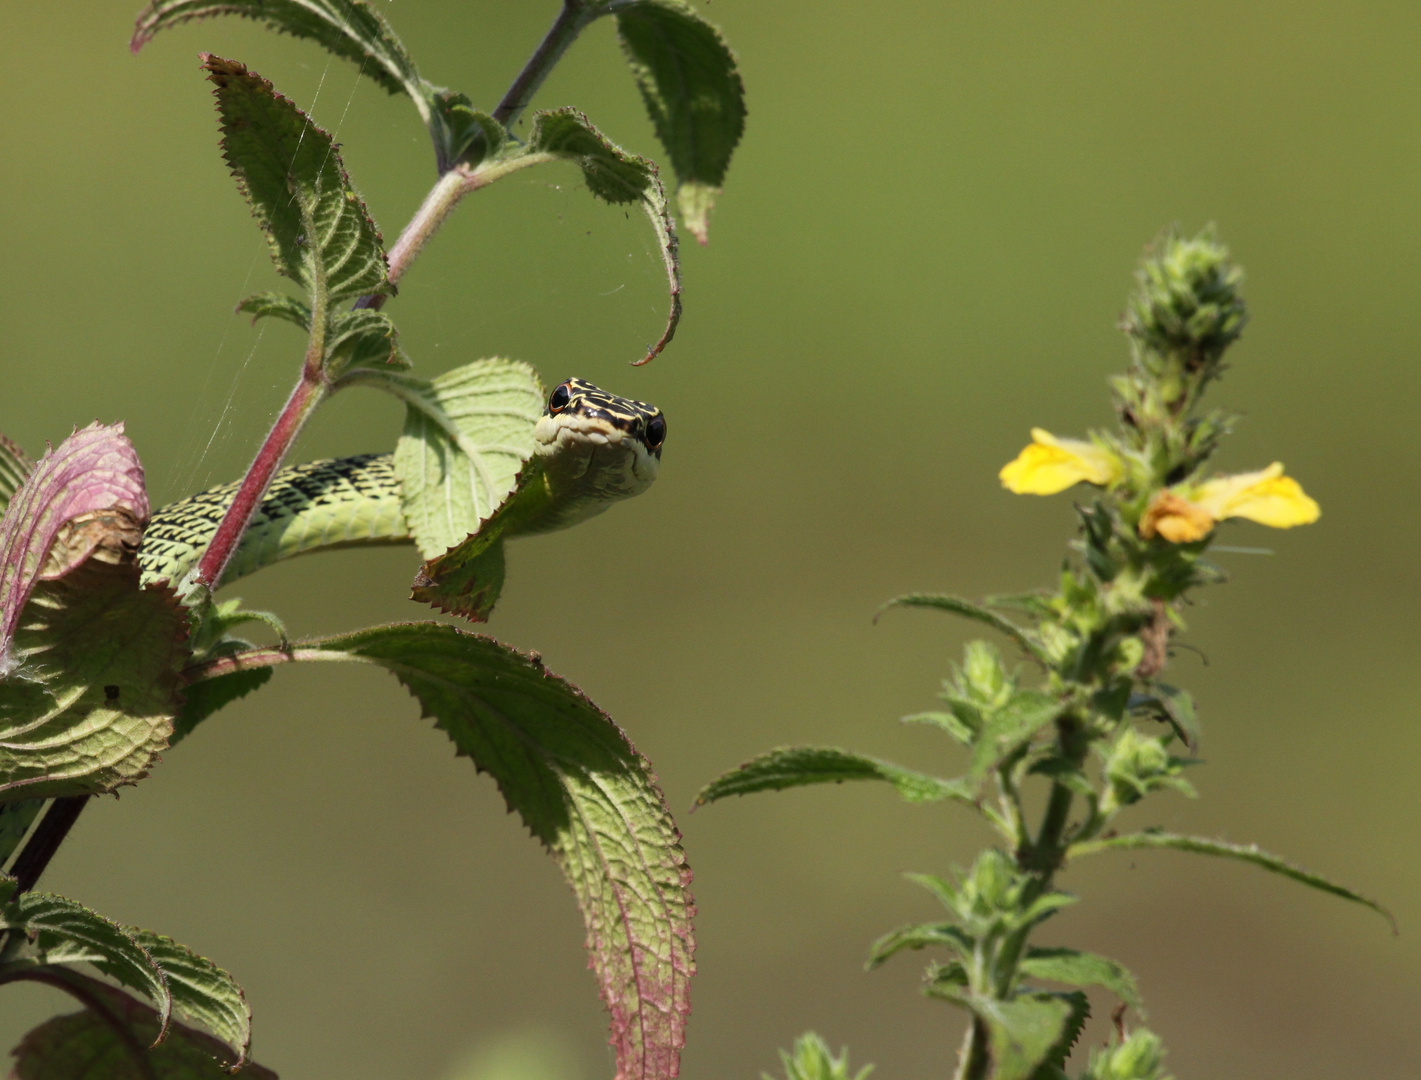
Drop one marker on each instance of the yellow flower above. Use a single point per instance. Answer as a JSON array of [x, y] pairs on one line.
[[1049, 465], [1266, 496]]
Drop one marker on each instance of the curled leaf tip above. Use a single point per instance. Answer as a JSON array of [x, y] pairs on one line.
[[1048, 465]]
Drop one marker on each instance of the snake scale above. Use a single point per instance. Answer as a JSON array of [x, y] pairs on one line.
[[591, 449]]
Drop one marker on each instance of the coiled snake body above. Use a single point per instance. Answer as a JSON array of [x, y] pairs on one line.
[[591, 449]]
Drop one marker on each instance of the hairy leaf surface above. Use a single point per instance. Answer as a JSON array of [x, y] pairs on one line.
[[692, 89], [797, 766], [968, 610], [1082, 969], [289, 169], [202, 992]]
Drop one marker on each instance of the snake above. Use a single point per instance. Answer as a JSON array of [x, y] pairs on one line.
[[591, 449]]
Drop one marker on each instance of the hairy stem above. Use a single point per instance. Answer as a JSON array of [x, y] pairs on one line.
[[304, 399], [45, 841]]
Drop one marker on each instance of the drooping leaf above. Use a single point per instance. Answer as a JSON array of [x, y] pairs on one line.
[[692, 89], [618, 177], [468, 578], [63, 933], [1249, 853], [968, 610], [1081, 969], [206, 697], [89, 685], [351, 29], [202, 992], [467, 434], [924, 936], [289, 169], [15, 465], [275, 305], [582, 789], [109, 1040], [797, 766]]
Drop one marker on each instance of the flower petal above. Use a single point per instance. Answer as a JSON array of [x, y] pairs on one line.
[[1048, 465], [1266, 496]]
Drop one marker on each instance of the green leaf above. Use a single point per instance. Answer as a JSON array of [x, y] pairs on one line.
[[111, 1040], [463, 134], [584, 791], [611, 174], [362, 338], [1010, 728], [1171, 706], [692, 89], [1052, 1067], [468, 578], [289, 169], [1081, 969], [89, 664], [1139, 1057], [202, 992], [15, 465], [945, 721], [927, 935], [1023, 1031], [968, 610], [813, 1060], [351, 29], [207, 696], [1249, 853], [60, 932], [467, 434], [796, 766], [277, 305]]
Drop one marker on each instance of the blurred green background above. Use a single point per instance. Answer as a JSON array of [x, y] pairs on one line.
[[924, 245]]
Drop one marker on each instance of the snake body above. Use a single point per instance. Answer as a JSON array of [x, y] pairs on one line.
[[591, 449]]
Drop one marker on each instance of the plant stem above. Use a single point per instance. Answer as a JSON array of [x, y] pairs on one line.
[[303, 402], [569, 23], [45, 841]]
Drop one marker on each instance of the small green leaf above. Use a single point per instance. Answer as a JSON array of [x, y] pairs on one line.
[[61, 932], [275, 305], [207, 696], [1010, 728], [946, 721], [1171, 706], [113, 1043], [1052, 1067], [1023, 1031], [468, 578], [1139, 1057], [351, 29], [797, 766], [289, 169], [927, 935], [362, 338], [688, 79], [467, 434], [1249, 853], [1081, 969], [202, 991], [968, 610], [464, 135], [813, 1060], [585, 792], [15, 465]]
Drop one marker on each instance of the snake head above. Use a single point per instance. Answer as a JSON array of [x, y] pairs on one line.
[[597, 447]]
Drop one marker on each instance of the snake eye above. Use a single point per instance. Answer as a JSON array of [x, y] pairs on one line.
[[655, 433], [559, 400]]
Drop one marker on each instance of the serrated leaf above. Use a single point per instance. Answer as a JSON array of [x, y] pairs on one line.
[[968, 610], [113, 1044], [583, 790], [1249, 853], [693, 93], [206, 697], [797, 766], [202, 992], [275, 305], [468, 578], [618, 177], [927, 935], [289, 169], [1081, 969], [467, 434], [15, 465], [1055, 1061], [90, 659], [363, 337], [1010, 728], [1023, 1031], [62, 933], [351, 29], [464, 135]]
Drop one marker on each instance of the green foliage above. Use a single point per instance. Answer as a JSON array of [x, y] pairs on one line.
[[290, 171], [201, 991], [1096, 724], [812, 1059], [798, 766], [693, 93]]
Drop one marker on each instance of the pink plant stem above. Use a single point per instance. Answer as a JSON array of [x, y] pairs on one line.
[[299, 407]]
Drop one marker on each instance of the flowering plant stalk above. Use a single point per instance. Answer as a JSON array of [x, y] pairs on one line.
[[1093, 721]]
